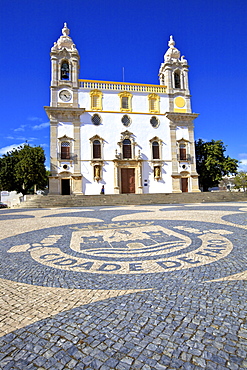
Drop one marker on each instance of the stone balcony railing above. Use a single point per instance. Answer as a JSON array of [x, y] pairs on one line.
[[121, 86]]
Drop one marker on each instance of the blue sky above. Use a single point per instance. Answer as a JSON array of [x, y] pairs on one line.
[[112, 34]]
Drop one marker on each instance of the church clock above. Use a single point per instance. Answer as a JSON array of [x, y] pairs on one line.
[[65, 95]]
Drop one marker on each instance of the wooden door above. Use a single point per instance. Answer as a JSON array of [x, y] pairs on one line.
[[65, 187], [184, 185], [128, 180]]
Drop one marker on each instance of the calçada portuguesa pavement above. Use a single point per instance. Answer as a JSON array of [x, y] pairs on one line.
[[134, 287]]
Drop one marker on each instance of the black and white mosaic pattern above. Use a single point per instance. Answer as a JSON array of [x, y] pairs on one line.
[[135, 287]]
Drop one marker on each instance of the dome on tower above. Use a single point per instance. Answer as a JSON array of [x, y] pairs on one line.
[[64, 41], [172, 52]]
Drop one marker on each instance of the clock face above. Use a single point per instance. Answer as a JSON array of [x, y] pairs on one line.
[[65, 95]]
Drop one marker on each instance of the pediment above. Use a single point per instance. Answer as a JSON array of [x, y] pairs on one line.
[[96, 137], [65, 138]]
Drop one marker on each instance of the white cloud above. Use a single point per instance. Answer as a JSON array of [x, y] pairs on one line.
[[243, 155], [35, 119], [8, 148], [243, 165], [21, 128], [41, 126]]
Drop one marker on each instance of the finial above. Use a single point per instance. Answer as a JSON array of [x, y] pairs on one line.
[[171, 43], [65, 30]]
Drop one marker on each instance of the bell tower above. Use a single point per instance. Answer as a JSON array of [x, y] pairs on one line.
[[174, 74], [65, 149], [64, 71]]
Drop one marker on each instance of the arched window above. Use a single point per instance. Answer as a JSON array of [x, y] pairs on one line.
[[65, 70], [96, 149], [155, 150], [65, 150], [126, 148], [177, 81]]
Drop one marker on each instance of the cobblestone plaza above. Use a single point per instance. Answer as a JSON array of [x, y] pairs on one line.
[[134, 287]]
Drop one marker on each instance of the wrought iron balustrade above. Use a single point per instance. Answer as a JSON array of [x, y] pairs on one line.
[[185, 158], [67, 156]]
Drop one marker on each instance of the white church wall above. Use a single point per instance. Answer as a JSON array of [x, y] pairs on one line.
[[182, 133], [65, 128]]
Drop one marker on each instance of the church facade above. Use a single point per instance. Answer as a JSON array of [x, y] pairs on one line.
[[129, 137]]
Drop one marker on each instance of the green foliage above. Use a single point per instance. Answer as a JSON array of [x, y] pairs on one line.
[[22, 168], [212, 164], [240, 180]]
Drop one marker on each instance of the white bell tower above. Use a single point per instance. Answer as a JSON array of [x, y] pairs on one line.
[[64, 71], [173, 73], [66, 177]]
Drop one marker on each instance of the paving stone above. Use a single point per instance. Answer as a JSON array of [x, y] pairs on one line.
[[157, 316]]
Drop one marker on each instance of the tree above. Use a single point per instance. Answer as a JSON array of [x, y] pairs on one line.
[[22, 169], [212, 164], [240, 180]]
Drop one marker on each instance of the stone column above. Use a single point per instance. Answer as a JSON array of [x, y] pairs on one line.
[[77, 178], [139, 178], [116, 178], [175, 175], [194, 174], [53, 179]]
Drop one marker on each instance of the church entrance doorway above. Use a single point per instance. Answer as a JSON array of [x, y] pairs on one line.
[[184, 185], [65, 186], [128, 180]]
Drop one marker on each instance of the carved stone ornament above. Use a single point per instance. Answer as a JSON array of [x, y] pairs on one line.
[[64, 41], [172, 52]]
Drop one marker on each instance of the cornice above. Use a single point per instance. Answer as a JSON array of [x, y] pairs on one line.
[[65, 113], [185, 119]]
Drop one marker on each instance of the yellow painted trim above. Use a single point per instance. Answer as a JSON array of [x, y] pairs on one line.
[[121, 83], [180, 110], [96, 92]]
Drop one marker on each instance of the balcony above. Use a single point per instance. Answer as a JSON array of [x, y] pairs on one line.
[[185, 158], [67, 157]]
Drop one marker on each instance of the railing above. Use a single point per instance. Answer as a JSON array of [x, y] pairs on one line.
[[121, 86], [186, 158], [66, 157]]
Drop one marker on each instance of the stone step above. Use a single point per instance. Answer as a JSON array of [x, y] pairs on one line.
[[60, 201]]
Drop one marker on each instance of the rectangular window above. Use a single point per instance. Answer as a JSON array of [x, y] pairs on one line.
[[96, 151], [156, 154], [182, 152], [153, 104], [65, 152], [125, 102], [126, 151], [95, 101]]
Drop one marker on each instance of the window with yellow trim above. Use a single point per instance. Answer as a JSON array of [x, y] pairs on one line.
[[96, 99], [154, 103], [125, 101]]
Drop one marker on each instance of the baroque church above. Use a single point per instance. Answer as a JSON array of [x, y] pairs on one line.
[[129, 137]]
